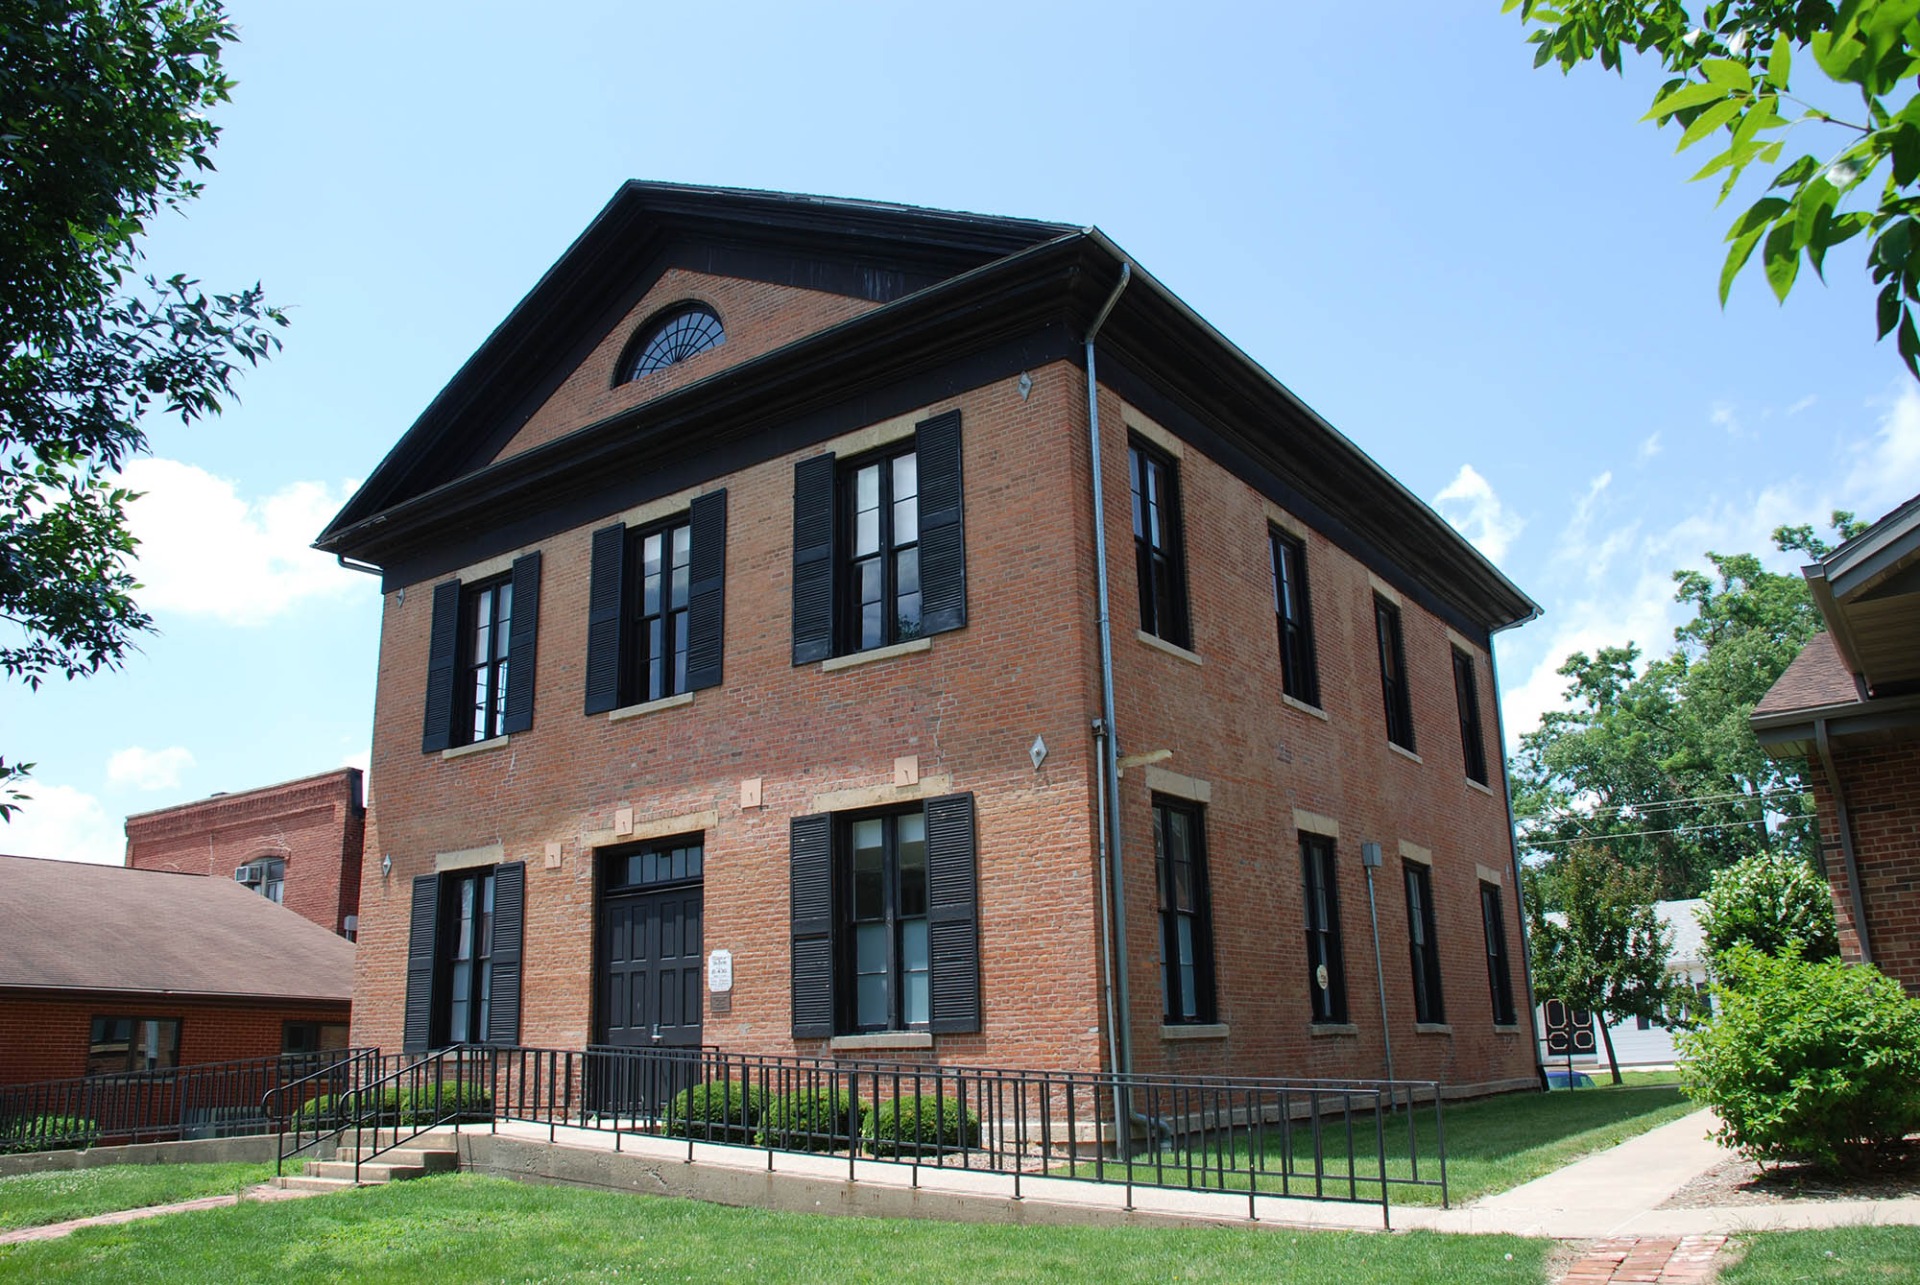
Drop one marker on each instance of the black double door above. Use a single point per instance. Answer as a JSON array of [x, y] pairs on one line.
[[647, 996]]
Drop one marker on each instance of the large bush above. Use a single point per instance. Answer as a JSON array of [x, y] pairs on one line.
[[1770, 901], [1808, 1060], [718, 1111], [920, 1125], [396, 1106], [46, 1133], [811, 1120]]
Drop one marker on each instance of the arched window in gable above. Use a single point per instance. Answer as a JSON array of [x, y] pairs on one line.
[[683, 331]]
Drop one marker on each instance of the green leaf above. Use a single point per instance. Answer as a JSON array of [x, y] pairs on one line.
[[1736, 260], [1708, 121], [1691, 94], [1887, 310], [1727, 73], [1780, 62], [1758, 215], [1782, 259], [1798, 172], [1816, 199]]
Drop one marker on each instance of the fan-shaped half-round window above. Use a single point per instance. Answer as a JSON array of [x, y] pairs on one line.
[[684, 332]]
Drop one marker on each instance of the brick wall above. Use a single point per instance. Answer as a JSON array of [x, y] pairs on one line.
[[46, 1039], [1883, 797], [316, 825], [968, 708]]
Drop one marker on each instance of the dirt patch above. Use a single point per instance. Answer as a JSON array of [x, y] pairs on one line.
[[1742, 1182]]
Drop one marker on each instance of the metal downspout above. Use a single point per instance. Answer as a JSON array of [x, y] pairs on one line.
[[1119, 1023], [1513, 851], [1845, 821]]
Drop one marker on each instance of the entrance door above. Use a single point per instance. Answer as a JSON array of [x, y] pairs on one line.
[[650, 969]]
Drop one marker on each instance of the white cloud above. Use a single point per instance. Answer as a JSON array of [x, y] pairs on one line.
[[1650, 447], [142, 769], [206, 550], [60, 821], [1722, 416], [1887, 469], [1469, 504], [1802, 404]]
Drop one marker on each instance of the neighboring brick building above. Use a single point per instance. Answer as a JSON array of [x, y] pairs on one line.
[[1849, 705], [297, 843], [741, 600], [106, 969]]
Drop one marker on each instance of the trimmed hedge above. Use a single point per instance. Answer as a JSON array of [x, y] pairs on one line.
[[47, 1133], [811, 1120], [917, 1125], [397, 1106], [717, 1111], [1813, 1061]]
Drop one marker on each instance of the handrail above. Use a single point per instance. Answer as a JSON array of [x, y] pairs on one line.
[[407, 1104], [355, 1066]]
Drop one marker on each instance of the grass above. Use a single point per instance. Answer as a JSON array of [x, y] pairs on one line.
[[36, 1199], [462, 1227], [1857, 1255], [1491, 1145]]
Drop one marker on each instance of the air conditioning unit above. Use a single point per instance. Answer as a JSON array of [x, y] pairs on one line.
[[247, 874]]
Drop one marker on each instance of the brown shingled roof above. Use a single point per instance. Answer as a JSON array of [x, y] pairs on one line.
[[1817, 679], [68, 925]]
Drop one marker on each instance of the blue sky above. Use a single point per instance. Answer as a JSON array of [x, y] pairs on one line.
[[1495, 280]]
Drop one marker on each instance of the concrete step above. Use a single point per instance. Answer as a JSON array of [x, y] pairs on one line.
[[371, 1171], [427, 1159], [432, 1140], [307, 1182]]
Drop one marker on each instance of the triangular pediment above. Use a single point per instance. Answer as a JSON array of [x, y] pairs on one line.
[[785, 266]]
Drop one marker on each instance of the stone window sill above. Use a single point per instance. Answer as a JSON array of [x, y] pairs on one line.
[[478, 747], [873, 654], [1172, 649], [1322, 1030], [1484, 789], [649, 707], [1305, 708], [1432, 1028], [1196, 1031], [880, 1040], [1404, 752]]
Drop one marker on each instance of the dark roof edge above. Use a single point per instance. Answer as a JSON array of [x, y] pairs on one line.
[[263, 996], [1862, 560]]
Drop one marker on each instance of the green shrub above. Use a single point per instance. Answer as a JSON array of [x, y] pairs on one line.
[[1770, 900], [718, 1111], [1808, 1060], [46, 1133], [397, 1106], [915, 1125], [811, 1120]]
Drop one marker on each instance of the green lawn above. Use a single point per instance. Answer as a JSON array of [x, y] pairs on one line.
[[1857, 1255], [36, 1199], [1491, 1146], [461, 1228]]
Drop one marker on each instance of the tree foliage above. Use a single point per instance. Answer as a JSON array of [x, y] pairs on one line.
[[1655, 758], [104, 124], [1834, 77], [1774, 902], [1605, 950]]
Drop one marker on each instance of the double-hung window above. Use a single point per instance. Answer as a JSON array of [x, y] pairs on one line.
[[886, 912], [656, 605], [119, 1044], [1298, 676], [480, 657], [1186, 926], [463, 957], [1326, 974], [1159, 565], [880, 513], [1499, 971], [884, 921], [879, 546], [1466, 692], [1393, 673], [1423, 949]]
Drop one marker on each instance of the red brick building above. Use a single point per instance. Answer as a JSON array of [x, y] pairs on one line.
[[297, 843], [743, 678], [1849, 705], [105, 969]]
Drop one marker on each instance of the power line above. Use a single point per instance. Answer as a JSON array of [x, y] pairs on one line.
[[1631, 834], [1698, 800]]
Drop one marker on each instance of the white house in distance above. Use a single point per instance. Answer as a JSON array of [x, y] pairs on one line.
[[1638, 1042]]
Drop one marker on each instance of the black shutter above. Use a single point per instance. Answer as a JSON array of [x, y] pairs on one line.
[[417, 1033], [943, 543], [707, 592], [442, 646], [953, 914], [606, 617], [811, 876], [509, 925], [521, 636], [813, 559]]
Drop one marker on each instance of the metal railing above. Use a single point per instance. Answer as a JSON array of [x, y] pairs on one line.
[[210, 1100], [422, 1094], [1335, 1140]]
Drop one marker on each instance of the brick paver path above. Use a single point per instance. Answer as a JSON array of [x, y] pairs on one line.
[[53, 1231], [1646, 1260]]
